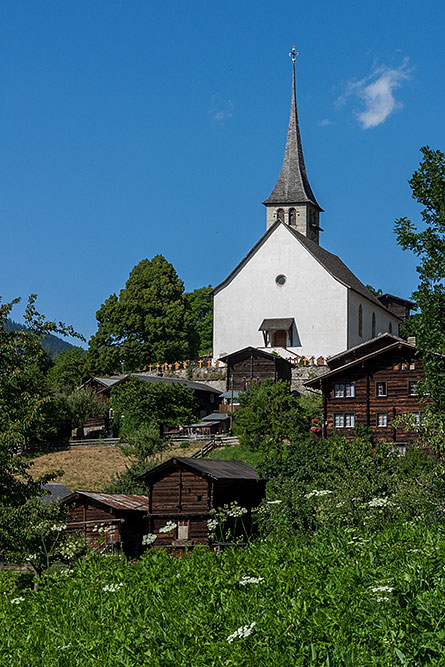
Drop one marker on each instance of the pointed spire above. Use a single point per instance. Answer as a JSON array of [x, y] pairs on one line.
[[292, 186]]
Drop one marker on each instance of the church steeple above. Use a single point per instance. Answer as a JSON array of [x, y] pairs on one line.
[[292, 199]]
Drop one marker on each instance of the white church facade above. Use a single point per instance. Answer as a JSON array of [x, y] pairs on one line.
[[290, 295]]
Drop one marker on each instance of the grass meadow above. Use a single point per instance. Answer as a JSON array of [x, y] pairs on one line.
[[347, 597]]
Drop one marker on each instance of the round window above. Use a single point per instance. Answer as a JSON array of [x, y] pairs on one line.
[[280, 280]]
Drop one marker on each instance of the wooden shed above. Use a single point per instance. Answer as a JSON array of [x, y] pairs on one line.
[[109, 521], [182, 491], [251, 366]]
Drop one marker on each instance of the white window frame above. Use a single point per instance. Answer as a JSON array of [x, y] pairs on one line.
[[350, 389], [349, 420], [385, 389], [339, 390], [417, 415], [412, 388], [339, 417], [382, 420]]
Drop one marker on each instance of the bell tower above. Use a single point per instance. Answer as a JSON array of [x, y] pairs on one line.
[[292, 200]]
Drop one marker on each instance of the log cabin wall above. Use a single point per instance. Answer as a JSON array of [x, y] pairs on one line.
[[383, 388], [254, 369], [84, 518]]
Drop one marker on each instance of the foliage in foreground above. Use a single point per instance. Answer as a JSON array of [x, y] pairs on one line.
[[348, 597]]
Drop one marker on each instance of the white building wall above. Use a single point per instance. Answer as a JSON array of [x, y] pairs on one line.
[[382, 316], [316, 301]]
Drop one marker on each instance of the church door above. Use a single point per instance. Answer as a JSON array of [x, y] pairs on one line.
[[279, 338]]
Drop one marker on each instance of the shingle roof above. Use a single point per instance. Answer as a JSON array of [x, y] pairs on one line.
[[118, 501], [292, 186], [210, 468], [52, 492], [276, 324], [197, 386]]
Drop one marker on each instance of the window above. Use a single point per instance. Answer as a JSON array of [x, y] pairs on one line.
[[280, 280], [280, 214], [339, 420], [412, 388], [382, 419], [344, 390], [350, 389], [183, 530], [360, 321], [292, 217], [390, 327], [344, 420], [380, 388], [279, 338], [417, 416], [373, 326], [349, 420], [412, 366], [399, 449]]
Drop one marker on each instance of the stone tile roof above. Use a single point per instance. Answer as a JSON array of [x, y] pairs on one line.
[[292, 186]]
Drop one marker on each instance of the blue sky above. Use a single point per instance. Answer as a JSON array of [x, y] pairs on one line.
[[135, 128]]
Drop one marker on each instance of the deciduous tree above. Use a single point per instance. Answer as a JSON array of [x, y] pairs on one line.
[[150, 322], [428, 244]]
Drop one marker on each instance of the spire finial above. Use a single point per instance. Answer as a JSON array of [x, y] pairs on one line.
[[293, 54]]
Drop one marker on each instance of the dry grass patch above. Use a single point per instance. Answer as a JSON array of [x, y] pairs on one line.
[[91, 468]]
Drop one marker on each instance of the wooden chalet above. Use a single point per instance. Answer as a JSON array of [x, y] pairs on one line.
[[370, 384], [251, 366], [108, 521], [182, 491]]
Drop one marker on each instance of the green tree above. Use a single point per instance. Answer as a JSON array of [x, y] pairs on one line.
[[150, 322], [24, 402], [137, 403], [201, 304], [269, 415], [69, 369], [428, 244], [82, 404]]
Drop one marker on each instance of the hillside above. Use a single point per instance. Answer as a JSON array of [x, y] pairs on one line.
[[52, 345], [91, 468]]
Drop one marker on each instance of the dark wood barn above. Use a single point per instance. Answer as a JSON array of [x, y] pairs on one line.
[[182, 491], [251, 366], [370, 385], [109, 521]]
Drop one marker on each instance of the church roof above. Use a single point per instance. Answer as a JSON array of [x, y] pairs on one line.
[[292, 186], [328, 261]]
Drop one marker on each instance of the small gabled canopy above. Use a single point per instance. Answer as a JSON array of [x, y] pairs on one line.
[[276, 324], [217, 470]]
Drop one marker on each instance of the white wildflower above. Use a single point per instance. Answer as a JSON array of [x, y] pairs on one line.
[[148, 539], [112, 588], [17, 600], [58, 527], [169, 526], [242, 632], [31, 557], [236, 511], [244, 581], [274, 502], [382, 598], [317, 493], [212, 524], [382, 589], [379, 502], [63, 648]]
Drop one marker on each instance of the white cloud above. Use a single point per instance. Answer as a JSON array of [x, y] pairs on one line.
[[325, 122], [220, 110], [377, 92]]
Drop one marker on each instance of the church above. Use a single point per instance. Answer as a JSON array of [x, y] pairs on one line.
[[289, 295]]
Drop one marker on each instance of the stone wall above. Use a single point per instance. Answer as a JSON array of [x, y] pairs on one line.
[[300, 374]]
